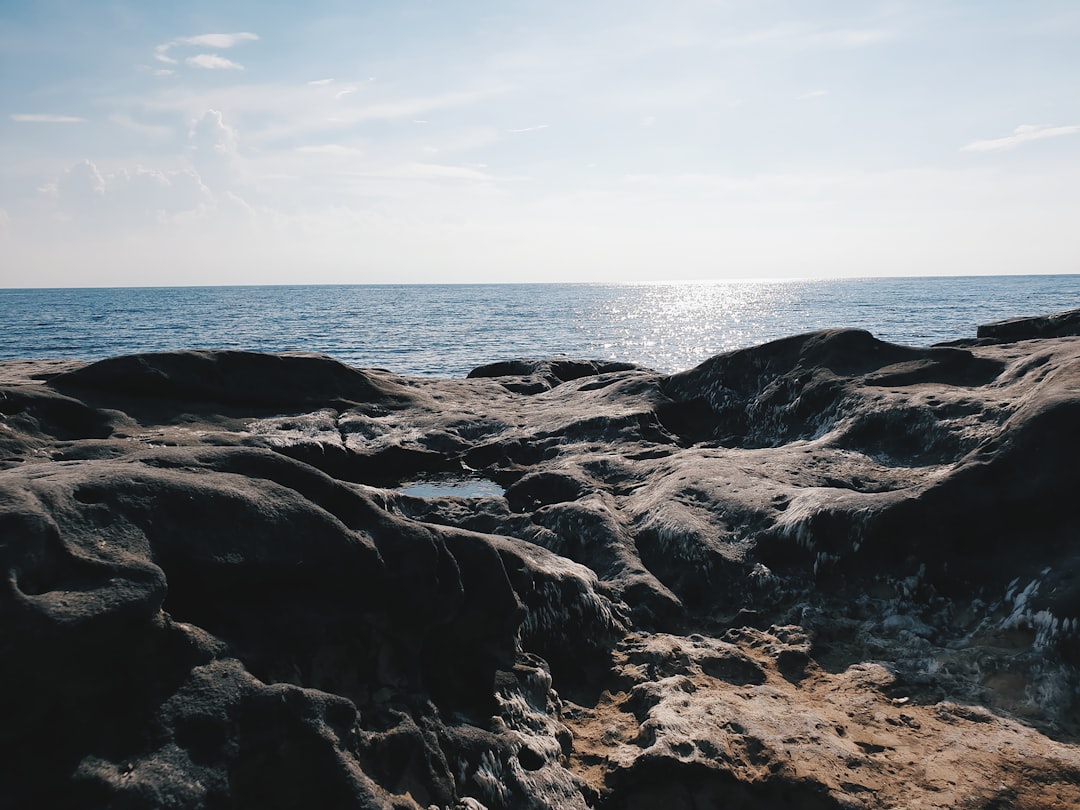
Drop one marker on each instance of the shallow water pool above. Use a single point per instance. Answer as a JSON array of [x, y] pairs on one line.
[[453, 488]]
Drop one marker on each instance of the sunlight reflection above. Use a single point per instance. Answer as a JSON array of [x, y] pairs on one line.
[[690, 320]]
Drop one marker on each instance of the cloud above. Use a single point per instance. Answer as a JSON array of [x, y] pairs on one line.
[[86, 197], [1021, 135], [217, 40], [214, 148], [161, 53], [81, 183], [435, 171], [39, 118], [329, 149], [804, 35], [320, 82], [426, 171], [156, 131], [851, 37], [155, 191], [211, 61], [813, 94], [529, 129], [207, 61], [314, 114], [278, 116], [211, 135]]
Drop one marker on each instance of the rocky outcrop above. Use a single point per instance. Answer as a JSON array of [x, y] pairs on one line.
[[1061, 324], [823, 572]]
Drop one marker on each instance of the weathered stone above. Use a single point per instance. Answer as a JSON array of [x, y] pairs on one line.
[[827, 572]]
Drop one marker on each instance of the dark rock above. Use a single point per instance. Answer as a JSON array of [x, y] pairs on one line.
[[561, 370], [823, 572], [234, 378], [542, 489], [536, 376], [1061, 324]]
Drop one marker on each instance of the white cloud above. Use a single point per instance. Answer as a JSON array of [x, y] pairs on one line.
[[164, 192], [314, 113], [81, 187], [85, 196], [320, 82], [813, 94], [292, 108], [427, 171], [427, 227], [329, 149], [529, 129], [213, 149], [760, 37], [409, 108], [39, 118], [804, 35], [1021, 135], [161, 54], [217, 40], [211, 135], [851, 37], [156, 131], [211, 61]]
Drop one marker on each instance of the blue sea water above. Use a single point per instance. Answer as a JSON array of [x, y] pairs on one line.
[[446, 330]]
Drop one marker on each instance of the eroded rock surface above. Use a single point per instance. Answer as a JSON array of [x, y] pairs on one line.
[[825, 572]]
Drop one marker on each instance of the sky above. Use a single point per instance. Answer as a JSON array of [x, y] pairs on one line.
[[517, 140]]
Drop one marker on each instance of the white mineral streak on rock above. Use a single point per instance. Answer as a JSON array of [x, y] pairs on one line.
[[317, 427]]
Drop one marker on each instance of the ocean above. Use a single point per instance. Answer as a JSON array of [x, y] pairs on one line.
[[447, 329]]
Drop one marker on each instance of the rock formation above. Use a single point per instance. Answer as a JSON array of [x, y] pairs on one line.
[[825, 572]]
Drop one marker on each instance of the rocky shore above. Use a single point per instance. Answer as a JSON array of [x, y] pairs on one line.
[[825, 572]]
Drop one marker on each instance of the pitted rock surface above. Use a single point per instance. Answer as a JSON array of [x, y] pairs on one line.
[[825, 572]]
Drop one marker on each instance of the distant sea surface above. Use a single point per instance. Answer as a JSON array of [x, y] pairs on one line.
[[446, 330]]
